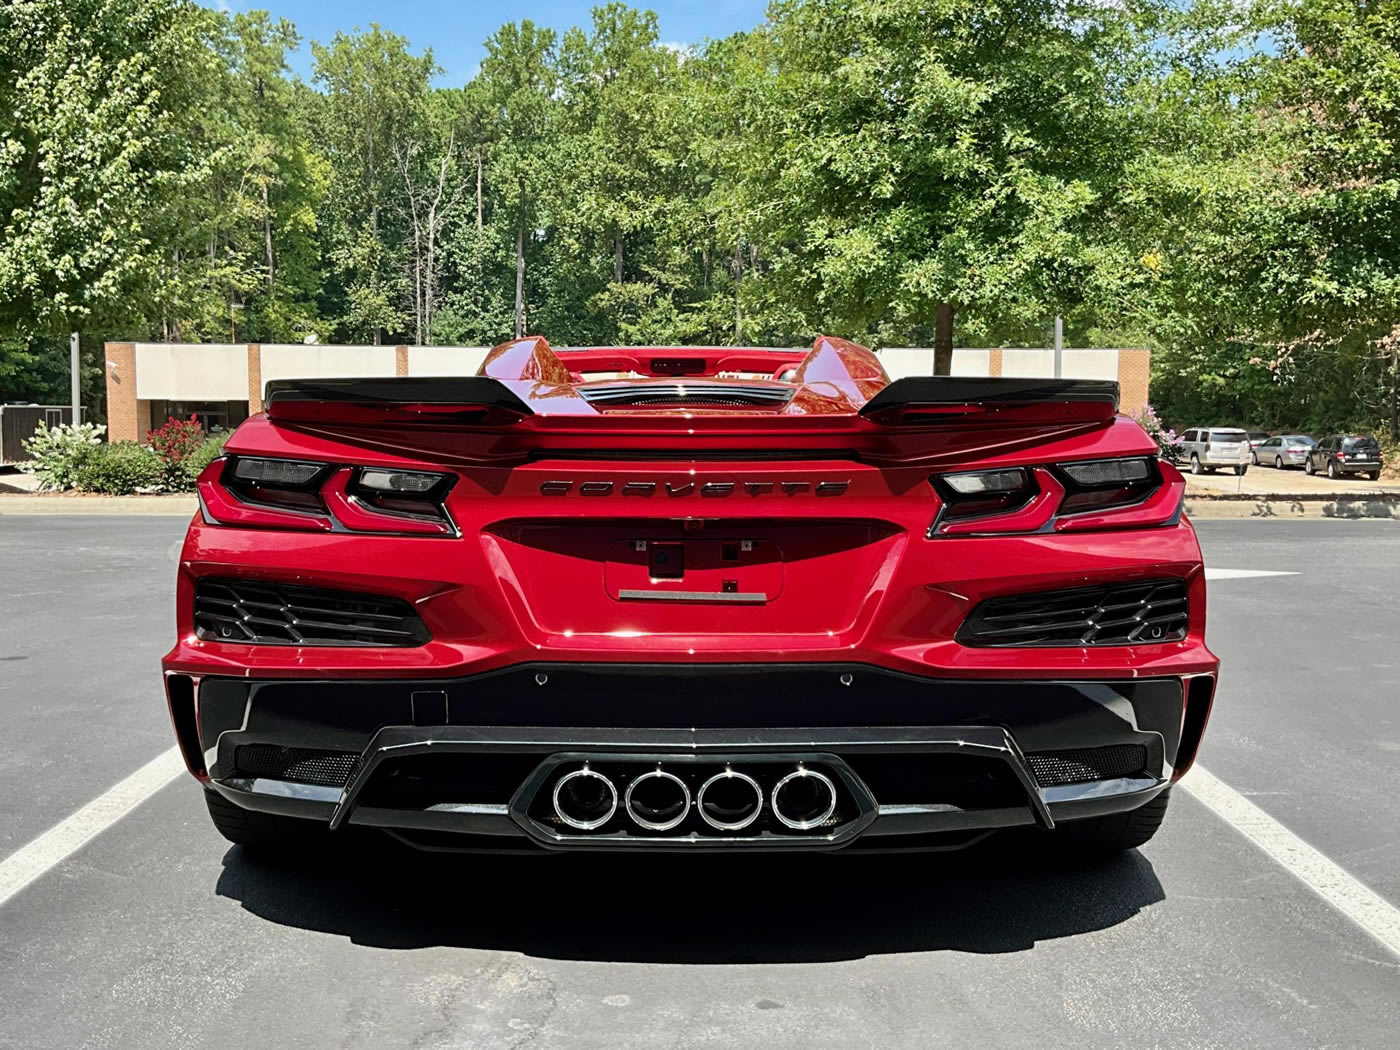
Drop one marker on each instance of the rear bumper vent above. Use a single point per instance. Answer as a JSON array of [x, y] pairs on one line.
[[1116, 614], [1083, 765], [301, 765], [274, 614]]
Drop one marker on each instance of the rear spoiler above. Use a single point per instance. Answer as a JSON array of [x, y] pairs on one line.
[[395, 401], [929, 400]]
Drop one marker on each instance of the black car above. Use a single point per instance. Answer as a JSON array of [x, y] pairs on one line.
[[1341, 454]]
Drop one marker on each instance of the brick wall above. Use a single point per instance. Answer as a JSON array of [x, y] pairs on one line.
[[127, 418], [254, 378], [1134, 373]]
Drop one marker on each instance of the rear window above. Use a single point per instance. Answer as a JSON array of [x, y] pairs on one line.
[[1360, 442], [1227, 436]]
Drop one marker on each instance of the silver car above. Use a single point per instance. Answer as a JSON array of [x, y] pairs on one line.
[[1286, 450], [1205, 448]]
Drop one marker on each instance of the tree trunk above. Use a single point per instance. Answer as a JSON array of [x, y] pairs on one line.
[[478, 189], [738, 280], [617, 258], [943, 339], [267, 235], [520, 279], [374, 282], [1395, 391]]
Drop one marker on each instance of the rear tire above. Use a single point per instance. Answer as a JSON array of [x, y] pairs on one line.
[[1278, 462], [1308, 467], [1195, 464], [262, 832], [1375, 475], [1254, 459], [1118, 831], [1332, 469], [1240, 469]]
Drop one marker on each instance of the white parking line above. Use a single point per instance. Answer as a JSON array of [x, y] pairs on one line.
[[1240, 574], [1338, 887], [61, 841]]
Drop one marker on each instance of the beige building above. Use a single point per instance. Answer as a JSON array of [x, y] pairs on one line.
[[222, 383]]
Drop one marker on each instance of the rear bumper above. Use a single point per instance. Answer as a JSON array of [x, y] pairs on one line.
[[467, 762]]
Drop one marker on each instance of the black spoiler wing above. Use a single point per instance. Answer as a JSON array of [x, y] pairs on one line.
[[402, 399], [956, 400]]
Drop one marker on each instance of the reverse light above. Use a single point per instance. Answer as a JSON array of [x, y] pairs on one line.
[[1095, 473], [986, 482], [407, 481], [289, 472]]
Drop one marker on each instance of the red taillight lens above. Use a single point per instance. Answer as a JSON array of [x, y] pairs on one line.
[[257, 492], [226, 499], [1130, 492], [380, 500], [995, 501]]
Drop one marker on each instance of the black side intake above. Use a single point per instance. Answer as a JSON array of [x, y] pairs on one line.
[[1139, 613], [275, 614]]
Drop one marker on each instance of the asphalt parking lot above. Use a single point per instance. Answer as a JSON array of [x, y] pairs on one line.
[[157, 934]]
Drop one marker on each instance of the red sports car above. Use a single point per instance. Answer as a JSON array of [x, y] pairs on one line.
[[690, 599]]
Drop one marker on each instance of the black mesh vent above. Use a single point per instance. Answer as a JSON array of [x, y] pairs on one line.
[[273, 614], [684, 393], [1116, 614], [301, 765], [1053, 768]]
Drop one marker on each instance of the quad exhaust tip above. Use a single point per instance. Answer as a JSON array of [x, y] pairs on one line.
[[729, 800], [657, 800], [804, 799], [585, 799]]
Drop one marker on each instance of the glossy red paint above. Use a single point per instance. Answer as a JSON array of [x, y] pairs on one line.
[[828, 511]]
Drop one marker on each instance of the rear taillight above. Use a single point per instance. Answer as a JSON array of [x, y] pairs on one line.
[[1130, 492], [1205, 447], [1104, 483], [376, 500], [1342, 456], [263, 492]]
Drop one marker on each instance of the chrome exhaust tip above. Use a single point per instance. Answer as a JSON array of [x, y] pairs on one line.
[[804, 799], [585, 800], [657, 800], [729, 800]]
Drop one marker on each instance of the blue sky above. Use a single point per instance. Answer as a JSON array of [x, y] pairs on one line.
[[455, 29]]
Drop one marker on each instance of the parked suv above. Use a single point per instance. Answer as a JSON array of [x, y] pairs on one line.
[[1341, 454], [1206, 448], [1286, 450]]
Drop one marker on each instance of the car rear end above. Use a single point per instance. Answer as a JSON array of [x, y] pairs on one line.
[[1225, 447], [690, 608], [1359, 455]]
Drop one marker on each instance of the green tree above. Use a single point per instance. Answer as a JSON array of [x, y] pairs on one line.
[[375, 98], [519, 78], [100, 107]]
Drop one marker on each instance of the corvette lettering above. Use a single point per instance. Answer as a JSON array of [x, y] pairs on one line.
[[707, 489]]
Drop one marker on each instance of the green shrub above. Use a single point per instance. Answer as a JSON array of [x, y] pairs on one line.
[[194, 463], [120, 469], [56, 453]]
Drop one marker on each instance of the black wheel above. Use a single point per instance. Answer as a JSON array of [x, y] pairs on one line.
[[1278, 462], [1375, 475], [1332, 469], [1308, 467], [1195, 464], [263, 832], [1117, 832], [1254, 459], [1240, 468]]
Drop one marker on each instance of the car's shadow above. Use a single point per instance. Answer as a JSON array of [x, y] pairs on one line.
[[711, 909]]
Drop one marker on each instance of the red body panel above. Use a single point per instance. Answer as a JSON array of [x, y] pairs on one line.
[[817, 516]]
